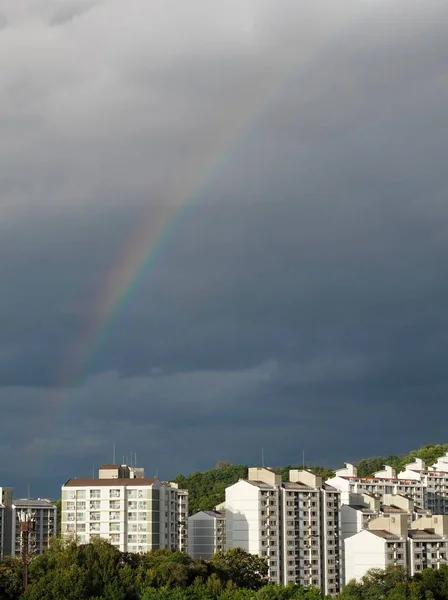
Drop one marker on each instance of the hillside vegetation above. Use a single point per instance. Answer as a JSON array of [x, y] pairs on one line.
[[207, 488]]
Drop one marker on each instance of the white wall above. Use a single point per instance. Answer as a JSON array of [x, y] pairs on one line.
[[363, 551], [243, 517]]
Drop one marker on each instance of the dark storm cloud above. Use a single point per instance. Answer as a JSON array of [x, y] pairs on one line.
[[300, 300]]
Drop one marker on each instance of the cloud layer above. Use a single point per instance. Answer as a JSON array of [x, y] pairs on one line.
[[282, 165]]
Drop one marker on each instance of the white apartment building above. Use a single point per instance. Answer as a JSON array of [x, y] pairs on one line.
[[435, 480], [383, 482], [206, 533], [134, 513], [389, 540], [294, 524], [45, 514]]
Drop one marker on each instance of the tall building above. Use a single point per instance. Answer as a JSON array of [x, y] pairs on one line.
[[206, 533], [45, 514], [132, 512], [6, 499], [295, 525]]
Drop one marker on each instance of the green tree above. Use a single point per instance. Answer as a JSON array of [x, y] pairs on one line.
[[10, 579], [242, 568]]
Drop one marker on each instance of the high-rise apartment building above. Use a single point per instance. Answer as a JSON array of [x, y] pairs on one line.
[[44, 513], [132, 512], [206, 533], [295, 525]]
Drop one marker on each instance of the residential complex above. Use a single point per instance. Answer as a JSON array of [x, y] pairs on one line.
[[132, 512], [390, 540], [294, 524], [206, 533]]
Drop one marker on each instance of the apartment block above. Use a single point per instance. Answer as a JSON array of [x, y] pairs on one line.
[[44, 513], [132, 512], [6, 499], [206, 533], [383, 482], [435, 480], [295, 525], [390, 540]]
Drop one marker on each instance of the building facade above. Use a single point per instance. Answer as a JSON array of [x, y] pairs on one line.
[[391, 541], [206, 533], [45, 515], [134, 513], [295, 525]]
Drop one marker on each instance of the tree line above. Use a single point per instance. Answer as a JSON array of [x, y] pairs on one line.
[[99, 571]]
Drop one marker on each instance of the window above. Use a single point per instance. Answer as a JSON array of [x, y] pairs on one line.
[[132, 493], [114, 516], [81, 516], [114, 526], [81, 494], [95, 493], [114, 493], [95, 516]]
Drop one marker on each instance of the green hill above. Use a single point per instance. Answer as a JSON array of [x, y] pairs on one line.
[[207, 488]]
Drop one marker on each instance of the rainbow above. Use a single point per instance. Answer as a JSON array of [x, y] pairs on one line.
[[146, 245]]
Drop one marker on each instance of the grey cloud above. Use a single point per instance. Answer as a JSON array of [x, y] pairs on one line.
[[300, 292]]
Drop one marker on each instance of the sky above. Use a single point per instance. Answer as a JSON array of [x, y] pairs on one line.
[[223, 227]]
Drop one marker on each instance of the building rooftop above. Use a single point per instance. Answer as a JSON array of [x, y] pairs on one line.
[[114, 482], [296, 485], [30, 503], [364, 509], [214, 513], [390, 508], [424, 534], [329, 488], [260, 484], [383, 533]]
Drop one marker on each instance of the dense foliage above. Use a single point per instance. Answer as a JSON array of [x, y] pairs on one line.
[[394, 584], [98, 571], [429, 454]]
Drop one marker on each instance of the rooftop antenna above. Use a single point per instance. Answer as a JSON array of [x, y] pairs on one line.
[[93, 470], [157, 473], [303, 458], [29, 491], [135, 460], [113, 461], [262, 456]]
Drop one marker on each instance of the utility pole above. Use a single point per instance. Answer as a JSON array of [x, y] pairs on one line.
[[27, 526]]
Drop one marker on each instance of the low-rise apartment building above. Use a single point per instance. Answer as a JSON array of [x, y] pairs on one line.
[[206, 533], [132, 512]]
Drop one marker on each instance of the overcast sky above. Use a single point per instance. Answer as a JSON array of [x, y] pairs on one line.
[[282, 167]]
